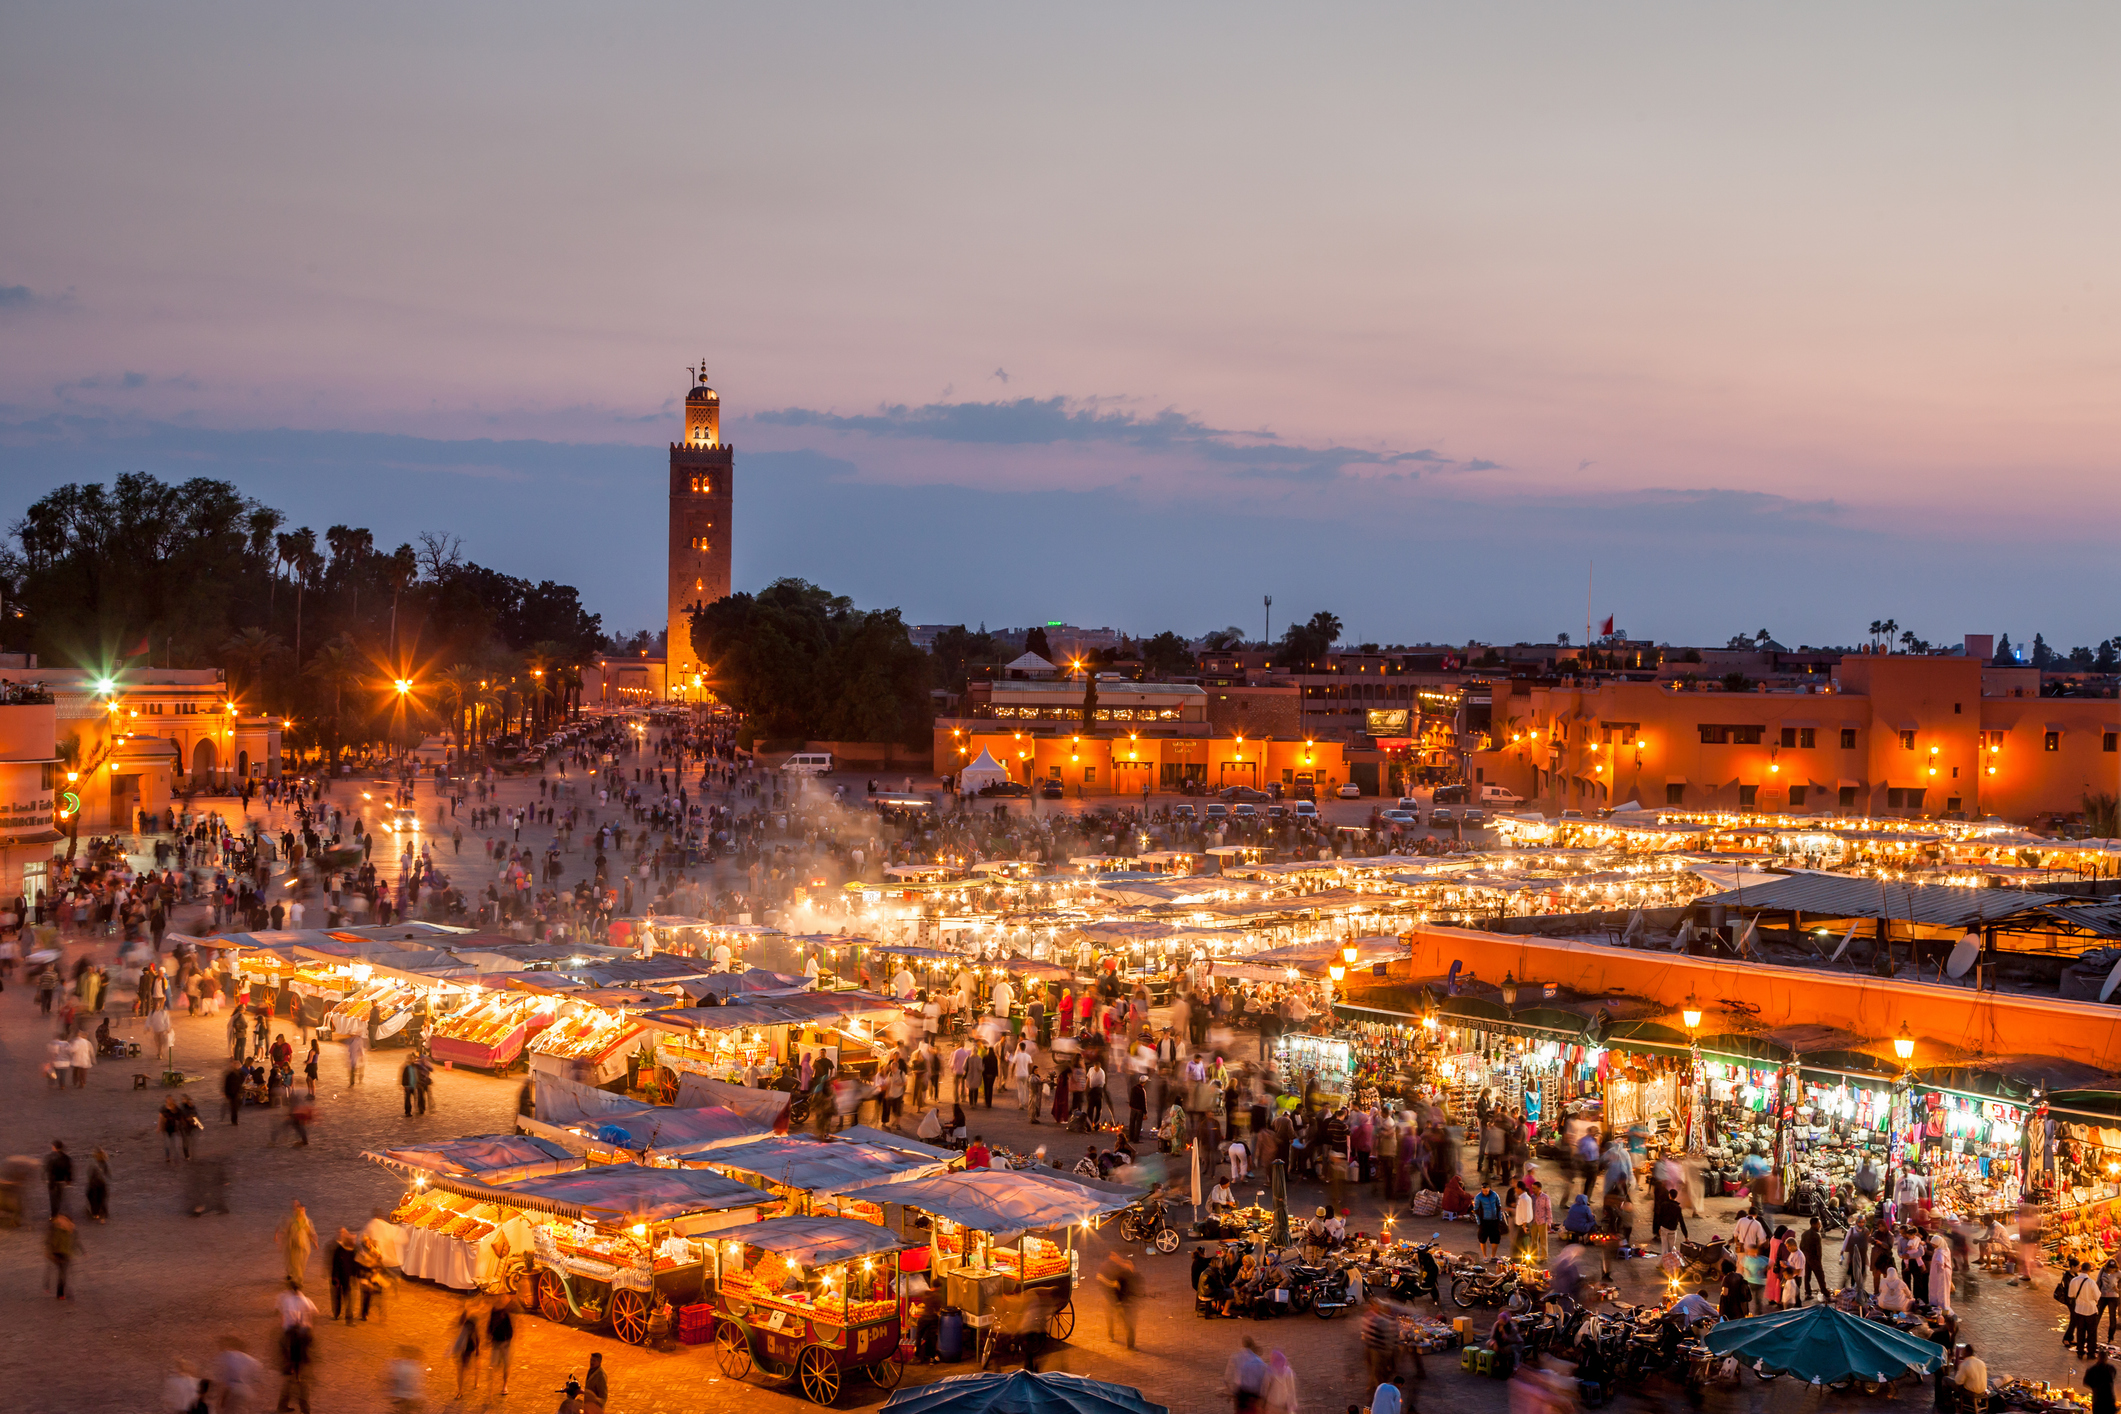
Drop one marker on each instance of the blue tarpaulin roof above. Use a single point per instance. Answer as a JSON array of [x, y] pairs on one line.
[[1022, 1392]]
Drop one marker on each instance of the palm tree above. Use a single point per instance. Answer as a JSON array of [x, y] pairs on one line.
[[399, 570], [544, 660], [458, 685], [336, 666], [253, 648]]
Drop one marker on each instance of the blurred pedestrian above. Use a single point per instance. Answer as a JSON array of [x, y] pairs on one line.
[[345, 1272], [406, 1381], [1122, 1286], [464, 1348], [298, 1355], [61, 1244], [183, 1391], [297, 1238], [596, 1388], [58, 1177], [500, 1342], [99, 1186], [237, 1375]]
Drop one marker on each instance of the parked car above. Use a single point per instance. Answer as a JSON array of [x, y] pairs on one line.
[[1306, 810], [1408, 802], [1184, 811], [1404, 818], [1499, 795], [1277, 812], [1451, 795], [1008, 788], [1218, 811], [1237, 793], [1572, 814], [1443, 817], [1350, 791], [1474, 819], [1050, 789], [1243, 812]]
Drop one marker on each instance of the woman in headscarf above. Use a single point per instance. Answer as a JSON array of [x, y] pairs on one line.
[[1456, 1200], [1940, 1276]]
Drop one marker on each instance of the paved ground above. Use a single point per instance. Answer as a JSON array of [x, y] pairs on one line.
[[158, 1284]]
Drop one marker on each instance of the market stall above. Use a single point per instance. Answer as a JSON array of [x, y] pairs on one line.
[[809, 1176], [623, 1242], [757, 1037], [462, 1239], [809, 1300], [586, 1043], [989, 1233], [489, 1029]]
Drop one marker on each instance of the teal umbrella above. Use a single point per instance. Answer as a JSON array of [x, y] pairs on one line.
[[1824, 1344], [1022, 1392]]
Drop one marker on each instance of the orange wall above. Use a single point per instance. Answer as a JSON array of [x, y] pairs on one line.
[[1122, 765], [1939, 1016], [1938, 698]]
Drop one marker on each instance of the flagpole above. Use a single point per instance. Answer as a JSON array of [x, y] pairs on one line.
[[1588, 574]]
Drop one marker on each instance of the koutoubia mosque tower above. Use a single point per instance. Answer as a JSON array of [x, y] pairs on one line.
[[702, 483]]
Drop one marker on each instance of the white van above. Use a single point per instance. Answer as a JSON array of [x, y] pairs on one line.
[[1498, 795], [808, 763]]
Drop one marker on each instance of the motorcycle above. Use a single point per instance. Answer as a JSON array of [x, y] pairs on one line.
[[1508, 1285], [1322, 1291], [1405, 1280], [1145, 1224]]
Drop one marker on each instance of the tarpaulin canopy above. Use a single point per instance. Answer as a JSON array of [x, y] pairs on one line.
[[817, 1242], [762, 1107], [1019, 966], [2012, 1077], [1249, 972], [892, 1139], [494, 1158], [983, 772], [664, 1128], [752, 981], [1021, 1392], [1326, 953], [1000, 1202], [796, 1009], [1824, 1344], [1126, 930], [634, 1193], [815, 1165]]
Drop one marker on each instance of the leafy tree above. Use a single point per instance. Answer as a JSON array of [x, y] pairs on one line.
[[957, 650], [2042, 654], [2080, 658], [2003, 657], [336, 667], [2104, 662], [1090, 700], [251, 650], [803, 662], [1166, 655], [1223, 640], [1035, 642]]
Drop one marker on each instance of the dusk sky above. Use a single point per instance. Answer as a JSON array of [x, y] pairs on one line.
[[1789, 317]]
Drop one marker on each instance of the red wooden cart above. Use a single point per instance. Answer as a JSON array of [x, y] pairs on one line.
[[808, 1300]]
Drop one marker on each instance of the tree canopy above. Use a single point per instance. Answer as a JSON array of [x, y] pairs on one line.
[[802, 662]]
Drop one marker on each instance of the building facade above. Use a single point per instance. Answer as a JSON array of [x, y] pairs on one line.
[[1885, 735], [702, 504]]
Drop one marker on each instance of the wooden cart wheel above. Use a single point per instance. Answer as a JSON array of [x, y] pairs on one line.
[[629, 1316], [732, 1350], [819, 1370], [886, 1373], [1061, 1324], [552, 1296]]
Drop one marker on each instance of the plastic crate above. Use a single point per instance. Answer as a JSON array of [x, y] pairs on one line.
[[696, 1324]]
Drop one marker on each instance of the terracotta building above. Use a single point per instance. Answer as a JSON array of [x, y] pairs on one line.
[[1886, 734]]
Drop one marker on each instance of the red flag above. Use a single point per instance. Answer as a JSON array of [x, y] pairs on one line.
[[140, 649], [1606, 629]]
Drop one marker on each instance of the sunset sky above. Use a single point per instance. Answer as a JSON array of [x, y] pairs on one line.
[[1789, 317]]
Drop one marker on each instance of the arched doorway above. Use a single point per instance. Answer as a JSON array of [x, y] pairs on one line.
[[243, 765], [202, 762]]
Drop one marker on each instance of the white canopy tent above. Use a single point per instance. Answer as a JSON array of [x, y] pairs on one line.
[[983, 772]]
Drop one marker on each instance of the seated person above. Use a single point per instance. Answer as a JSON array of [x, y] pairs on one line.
[[1972, 1374], [1245, 1287], [1893, 1293], [1337, 1227], [1456, 1201], [1693, 1307], [1506, 1338], [958, 1125], [1220, 1198], [1214, 1287], [103, 1037]]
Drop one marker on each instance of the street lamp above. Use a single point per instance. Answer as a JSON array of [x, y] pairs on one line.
[[1904, 1045], [1509, 989], [1691, 1014]]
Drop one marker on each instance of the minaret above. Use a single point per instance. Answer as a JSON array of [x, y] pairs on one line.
[[702, 471]]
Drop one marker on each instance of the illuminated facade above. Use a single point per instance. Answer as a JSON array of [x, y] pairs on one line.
[[1888, 734], [702, 483]]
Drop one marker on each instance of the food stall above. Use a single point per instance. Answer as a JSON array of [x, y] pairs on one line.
[[762, 1034], [490, 1029], [990, 1233], [585, 1042], [459, 1239], [810, 1176], [622, 1242], [380, 1007], [809, 1300]]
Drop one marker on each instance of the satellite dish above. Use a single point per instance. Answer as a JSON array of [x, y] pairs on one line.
[[1963, 955], [1451, 982], [2113, 979], [1846, 939], [1684, 936]]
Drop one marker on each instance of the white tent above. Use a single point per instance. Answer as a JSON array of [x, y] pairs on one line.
[[983, 772], [1033, 665]]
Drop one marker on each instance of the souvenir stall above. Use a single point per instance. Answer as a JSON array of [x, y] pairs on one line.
[[809, 1176], [988, 1233], [1844, 1112], [460, 1239], [1973, 1151], [586, 1043], [1330, 1060], [808, 1301]]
